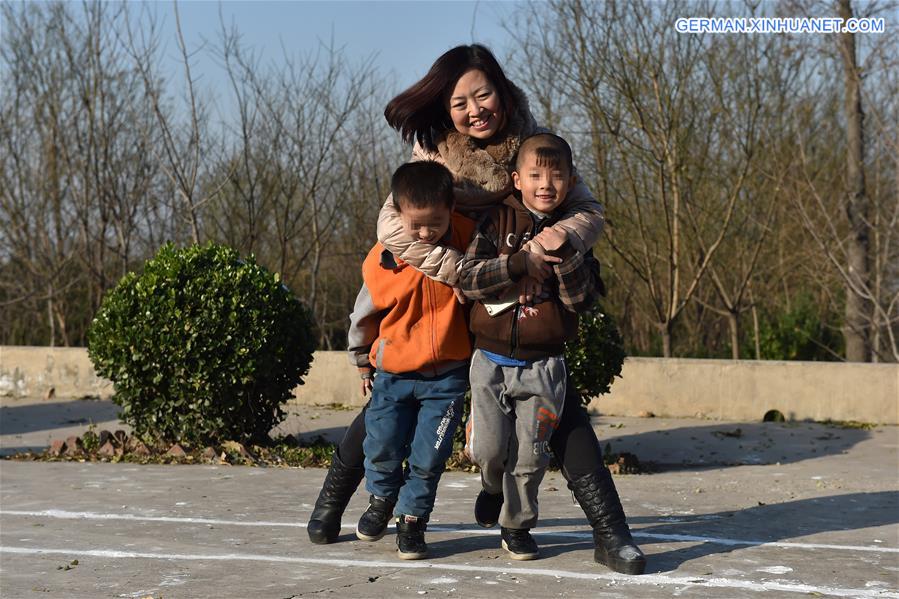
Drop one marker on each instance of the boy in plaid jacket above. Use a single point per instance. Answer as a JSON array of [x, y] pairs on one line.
[[518, 373]]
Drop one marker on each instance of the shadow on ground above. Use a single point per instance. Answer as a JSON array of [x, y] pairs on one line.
[[789, 521], [783, 522], [33, 417], [660, 443], [332, 434], [733, 444]]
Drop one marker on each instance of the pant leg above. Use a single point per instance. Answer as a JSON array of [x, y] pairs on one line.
[[389, 424], [574, 443], [490, 425], [539, 393], [349, 450], [439, 414]]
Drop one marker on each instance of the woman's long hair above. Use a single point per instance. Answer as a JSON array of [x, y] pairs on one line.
[[419, 113]]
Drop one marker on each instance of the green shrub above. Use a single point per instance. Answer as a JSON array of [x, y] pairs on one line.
[[595, 359], [202, 346], [801, 333]]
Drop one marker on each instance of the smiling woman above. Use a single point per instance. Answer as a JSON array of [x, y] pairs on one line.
[[465, 114]]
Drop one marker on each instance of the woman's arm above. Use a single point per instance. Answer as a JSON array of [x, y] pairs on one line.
[[438, 262], [582, 217]]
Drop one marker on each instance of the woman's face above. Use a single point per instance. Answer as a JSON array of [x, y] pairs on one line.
[[474, 106]]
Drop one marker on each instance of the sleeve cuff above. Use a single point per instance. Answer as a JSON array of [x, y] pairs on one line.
[[518, 266], [566, 251]]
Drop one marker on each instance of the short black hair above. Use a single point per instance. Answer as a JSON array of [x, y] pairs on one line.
[[422, 184], [550, 149]]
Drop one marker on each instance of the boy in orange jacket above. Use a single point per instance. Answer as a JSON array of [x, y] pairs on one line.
[[409, 338]]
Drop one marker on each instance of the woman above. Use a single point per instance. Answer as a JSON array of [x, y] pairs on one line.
[[466, 115]]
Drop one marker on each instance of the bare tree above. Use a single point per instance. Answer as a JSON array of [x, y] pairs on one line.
[[76, 171], [858, 347], [184, 139], [853, 225], [656, 140], [763, 74], [317, 99]]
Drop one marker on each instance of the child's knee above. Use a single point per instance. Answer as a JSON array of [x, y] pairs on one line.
[[486, 455], [529, 462], [379, 452], [430, 470], [386, 466]]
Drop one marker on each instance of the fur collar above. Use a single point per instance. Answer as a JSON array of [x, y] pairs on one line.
[[484, 168]]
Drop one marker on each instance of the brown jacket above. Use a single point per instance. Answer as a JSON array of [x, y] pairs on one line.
[[494, 262]]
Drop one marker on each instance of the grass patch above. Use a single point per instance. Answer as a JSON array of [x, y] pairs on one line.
[[853, 424], [338, 407]]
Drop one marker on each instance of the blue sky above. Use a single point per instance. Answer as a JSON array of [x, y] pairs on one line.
[[404, 37]]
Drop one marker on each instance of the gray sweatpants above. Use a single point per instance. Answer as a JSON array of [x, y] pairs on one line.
[[514, 411]]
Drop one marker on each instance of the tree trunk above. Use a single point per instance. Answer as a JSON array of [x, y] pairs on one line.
[[63, 327], [856, 330], [665, 329], [755, 327], [50, 321], [733, 323]]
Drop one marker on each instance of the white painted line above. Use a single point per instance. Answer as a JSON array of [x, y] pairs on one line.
[[65, 515], [644, 580], [739, 542]]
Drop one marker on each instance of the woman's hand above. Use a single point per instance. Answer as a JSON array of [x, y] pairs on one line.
[[533, 246], [550, 239], [459, 297]]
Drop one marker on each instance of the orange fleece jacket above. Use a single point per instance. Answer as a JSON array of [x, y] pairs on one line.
[[421, 326]]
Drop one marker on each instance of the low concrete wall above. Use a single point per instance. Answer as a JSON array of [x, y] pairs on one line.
[[746, 389], [674, 387], [33, 371]]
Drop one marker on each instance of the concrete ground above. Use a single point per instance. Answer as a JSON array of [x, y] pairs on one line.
[[732, 509]]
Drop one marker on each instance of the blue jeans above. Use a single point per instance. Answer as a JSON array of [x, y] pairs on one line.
[[411, 417]]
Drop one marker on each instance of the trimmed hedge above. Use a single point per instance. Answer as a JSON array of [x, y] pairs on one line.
[[202, 347], [595, 359]]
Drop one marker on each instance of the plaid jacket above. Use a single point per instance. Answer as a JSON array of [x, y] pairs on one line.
[[492, 266]]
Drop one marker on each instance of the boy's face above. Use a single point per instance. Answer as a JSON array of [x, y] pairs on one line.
[[543, 187], [425, 224]]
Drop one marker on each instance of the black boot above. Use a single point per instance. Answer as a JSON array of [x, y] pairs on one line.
[[615, 547], [338, 488]]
